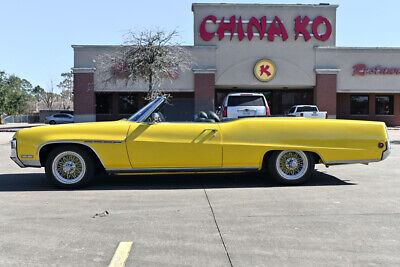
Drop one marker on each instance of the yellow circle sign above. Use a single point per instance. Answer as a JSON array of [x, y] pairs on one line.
[[264, 70]]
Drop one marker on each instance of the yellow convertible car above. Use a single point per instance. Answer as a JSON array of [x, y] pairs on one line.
[[286, 148]]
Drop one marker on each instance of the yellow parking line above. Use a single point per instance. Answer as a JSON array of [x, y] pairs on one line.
[[121, 254]]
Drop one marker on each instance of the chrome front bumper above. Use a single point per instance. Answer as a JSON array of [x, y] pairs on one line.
[[24, 162], [14, 154]]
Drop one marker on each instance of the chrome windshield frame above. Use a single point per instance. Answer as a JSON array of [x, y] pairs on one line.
[[153, 105]]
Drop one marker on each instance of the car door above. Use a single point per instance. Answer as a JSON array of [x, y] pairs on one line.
[[62, 118], [58, 118], [174, 145]]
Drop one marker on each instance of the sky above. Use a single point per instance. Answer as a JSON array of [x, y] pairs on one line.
[[36, 36]]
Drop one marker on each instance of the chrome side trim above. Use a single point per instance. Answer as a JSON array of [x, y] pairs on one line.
[[104, 141], [69, 142], [160, 170], [351, 161]]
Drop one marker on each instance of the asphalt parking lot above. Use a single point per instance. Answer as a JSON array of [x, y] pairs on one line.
[[345, 215]]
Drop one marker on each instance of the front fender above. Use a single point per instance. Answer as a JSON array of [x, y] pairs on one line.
[[106, 139]]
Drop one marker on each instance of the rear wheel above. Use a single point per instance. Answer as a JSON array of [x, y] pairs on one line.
[[70, 167], [52, 122], [291, 167]]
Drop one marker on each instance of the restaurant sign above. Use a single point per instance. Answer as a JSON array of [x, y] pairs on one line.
[[364, 70], [235, 27]]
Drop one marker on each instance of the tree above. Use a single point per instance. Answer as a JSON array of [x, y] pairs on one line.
[[66, 87], [14, 94], [151, 56], [49, 97], [36, 92]]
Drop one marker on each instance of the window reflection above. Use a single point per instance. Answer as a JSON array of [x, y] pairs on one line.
[[384, 105], [359, 105]]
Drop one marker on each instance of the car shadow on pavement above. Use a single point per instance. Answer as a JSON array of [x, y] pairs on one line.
[[38, 181]]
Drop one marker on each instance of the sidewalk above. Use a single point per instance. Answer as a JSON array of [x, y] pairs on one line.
[[13, 127]]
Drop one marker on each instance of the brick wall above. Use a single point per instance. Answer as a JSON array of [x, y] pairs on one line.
[[343, 104], [325, 93], [84, 98], [204, 91]]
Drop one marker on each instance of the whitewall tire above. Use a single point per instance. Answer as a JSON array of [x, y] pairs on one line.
[[70, 166], [291, 166]]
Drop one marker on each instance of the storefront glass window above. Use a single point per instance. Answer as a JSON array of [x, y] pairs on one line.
[[295, 97], [384, 105], [104, 103], [127, 103], [359, 105]]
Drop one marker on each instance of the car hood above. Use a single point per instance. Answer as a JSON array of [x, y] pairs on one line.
[[114, 130]]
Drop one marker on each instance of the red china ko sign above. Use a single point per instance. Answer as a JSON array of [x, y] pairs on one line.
[[235, 27], [363, 70]]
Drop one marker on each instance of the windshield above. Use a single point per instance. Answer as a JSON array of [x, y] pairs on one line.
[[146, 109]]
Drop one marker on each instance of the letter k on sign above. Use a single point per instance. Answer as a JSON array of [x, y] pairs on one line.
[[264, 70]]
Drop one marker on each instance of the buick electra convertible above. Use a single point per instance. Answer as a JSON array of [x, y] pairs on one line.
[[148, 142]]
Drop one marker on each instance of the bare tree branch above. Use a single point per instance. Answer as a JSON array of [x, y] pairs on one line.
[[150, 56]]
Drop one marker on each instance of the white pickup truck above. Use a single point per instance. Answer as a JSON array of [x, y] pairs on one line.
[[307, 111]]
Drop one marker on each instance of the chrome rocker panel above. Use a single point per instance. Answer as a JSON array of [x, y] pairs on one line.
[[166, 170]]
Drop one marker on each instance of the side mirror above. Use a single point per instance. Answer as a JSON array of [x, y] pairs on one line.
[[155, 117]]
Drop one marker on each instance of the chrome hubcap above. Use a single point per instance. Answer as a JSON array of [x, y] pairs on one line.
[[292, 164], [68, 167]]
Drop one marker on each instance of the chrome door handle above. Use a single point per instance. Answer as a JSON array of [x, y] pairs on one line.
[[213, 130]]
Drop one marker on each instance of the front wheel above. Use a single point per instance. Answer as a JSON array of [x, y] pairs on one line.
[[291, 167], [69, 167]]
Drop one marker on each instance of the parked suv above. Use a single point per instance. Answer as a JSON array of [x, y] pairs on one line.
[[243, 105]]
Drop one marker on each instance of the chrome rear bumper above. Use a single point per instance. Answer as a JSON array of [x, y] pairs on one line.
[[386, 153]]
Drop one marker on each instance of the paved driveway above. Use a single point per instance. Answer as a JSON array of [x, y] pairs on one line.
[[346, 215]]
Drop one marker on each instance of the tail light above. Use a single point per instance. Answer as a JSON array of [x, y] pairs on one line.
[[326, 115], [268, 112], [225, 112], [301, 114]]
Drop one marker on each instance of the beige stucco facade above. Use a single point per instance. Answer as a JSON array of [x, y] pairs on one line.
[[302, 66]]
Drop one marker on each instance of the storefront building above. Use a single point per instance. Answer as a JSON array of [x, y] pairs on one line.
[[230, 39]]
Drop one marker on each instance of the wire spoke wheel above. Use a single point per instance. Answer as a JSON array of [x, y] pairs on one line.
[[68, 167], [292, 164]]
